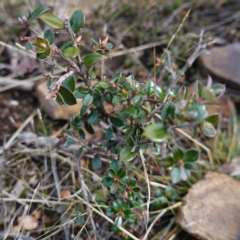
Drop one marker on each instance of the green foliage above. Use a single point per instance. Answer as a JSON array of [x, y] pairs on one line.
[[77, 21], [147, 118]]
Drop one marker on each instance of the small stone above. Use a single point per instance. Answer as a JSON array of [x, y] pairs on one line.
[[52, 108], [210, 210], [223, 63]]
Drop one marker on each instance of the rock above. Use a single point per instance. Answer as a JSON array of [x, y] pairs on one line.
[[52, 108], [232, 167], [210, 210], [223, 63]]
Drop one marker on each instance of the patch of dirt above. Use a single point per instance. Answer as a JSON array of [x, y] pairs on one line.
[[15, 107]]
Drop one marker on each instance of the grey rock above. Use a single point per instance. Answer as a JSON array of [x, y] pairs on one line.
[[223, 62], [210, 210]]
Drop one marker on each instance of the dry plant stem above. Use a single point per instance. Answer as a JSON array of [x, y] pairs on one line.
[[27, 26], [175, 34], [107, 218], [174, 234], [80, 231], [14, 235], [12, 138], [199, 144], [73, 37], [148, 184], [176, 205], [190, 61], [55, 175], [153, 222], [85, 194], [57, 85]]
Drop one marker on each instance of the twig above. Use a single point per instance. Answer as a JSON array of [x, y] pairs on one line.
[[56, 85], [12, 138], [175, 34], [55, 175], [147, 181], [82, 182], [153, 222]]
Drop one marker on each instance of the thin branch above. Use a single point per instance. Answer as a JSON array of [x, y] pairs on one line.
[[73, 37], [147, 181]]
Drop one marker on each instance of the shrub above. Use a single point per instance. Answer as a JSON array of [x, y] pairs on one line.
[[147, 118]]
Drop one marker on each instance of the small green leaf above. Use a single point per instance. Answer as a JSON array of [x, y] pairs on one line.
[[104, 84], [91, 59], [159, 92], [93, 116], [116, 122], [77, 20], [136, 189], [59, 99], [185, 93], [71, 52], [118, 221], [52, 20], [126, 154], [78, 94], [207, 94], [218, 89], [67, 45], [89, 128], [112, 173], [191, 155], [107, 181], [37, 13], [156, 132], [81, 134], [109, 46], [67, 96], [88, 99], [52, 68], [185, 174], [115, 164], [44, 54], [48, 35], [130, 140], [83, 110], [114, 188], [168, 110], [69, 83], [197, 112], [121, 173], [167, 161], [132, 182], [96, 162], [178, 154], [149, 87], [137, 101], [209, 130], [108, 134], [175, 175], [92, 74], [212, 118], [117, 205], [84, 89], [28, 45], [116, 99], [49, 83]]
